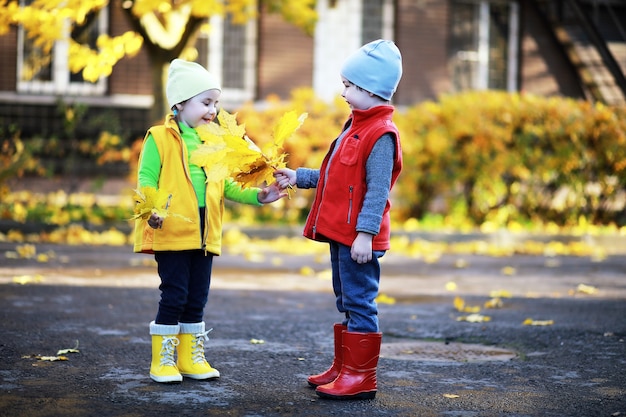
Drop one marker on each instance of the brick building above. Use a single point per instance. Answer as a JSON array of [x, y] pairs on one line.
[[574, 48]]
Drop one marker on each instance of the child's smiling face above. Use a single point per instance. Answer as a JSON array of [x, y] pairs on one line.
[[200, 109]]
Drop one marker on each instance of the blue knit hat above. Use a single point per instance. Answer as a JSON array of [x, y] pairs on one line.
[[375, 67]]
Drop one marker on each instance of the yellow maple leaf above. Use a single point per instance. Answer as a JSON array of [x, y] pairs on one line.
[[225, 150], [149, 200], [238, 156], [228, 122], [286, 126], [272, 156], [213, 157]]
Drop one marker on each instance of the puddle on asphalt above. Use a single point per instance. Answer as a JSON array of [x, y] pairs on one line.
[[416, 350]]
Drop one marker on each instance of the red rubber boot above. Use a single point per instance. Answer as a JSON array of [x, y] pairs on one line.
[[357, 378], [331, 373]]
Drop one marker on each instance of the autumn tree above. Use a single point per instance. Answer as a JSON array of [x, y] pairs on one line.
[[164, 28]]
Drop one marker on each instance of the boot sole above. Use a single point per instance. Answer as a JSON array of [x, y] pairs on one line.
[[208, 375], [167, 380], [360, 396]]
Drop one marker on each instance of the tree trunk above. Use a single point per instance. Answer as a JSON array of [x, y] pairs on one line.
[[158, 68], [160, 59]]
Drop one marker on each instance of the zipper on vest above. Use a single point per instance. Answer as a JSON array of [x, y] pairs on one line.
[[351, 194]]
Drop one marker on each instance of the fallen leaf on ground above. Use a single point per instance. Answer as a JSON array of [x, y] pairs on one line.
[[70, 350], [27, 279], [45, 358], [474, 318], [586, 289], [500, 294], [459, 305], [531, 322], [494, 303], [385, 299], [509, 270]]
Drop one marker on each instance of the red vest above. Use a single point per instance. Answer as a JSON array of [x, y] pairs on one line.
[[341, 187]]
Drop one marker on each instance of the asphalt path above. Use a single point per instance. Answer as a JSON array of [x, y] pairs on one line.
[[272, 322]]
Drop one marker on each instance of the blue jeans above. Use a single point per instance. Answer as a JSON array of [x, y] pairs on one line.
[[356, 288], [185, 279]]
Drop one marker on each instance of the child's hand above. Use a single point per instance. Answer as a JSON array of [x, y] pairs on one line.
[[285, 177], [271, 194], [361, 250], [155, 221]]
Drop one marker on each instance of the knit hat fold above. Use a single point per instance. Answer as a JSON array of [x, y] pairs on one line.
[[375, 67], [186, 79]]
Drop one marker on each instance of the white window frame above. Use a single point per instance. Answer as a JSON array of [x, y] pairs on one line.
[[60, 83], [481, 55], [338, 33], [233, 96]]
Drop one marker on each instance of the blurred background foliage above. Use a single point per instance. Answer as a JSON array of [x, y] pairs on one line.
[[474, 160]]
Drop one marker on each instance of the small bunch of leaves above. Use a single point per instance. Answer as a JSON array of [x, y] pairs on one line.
[[149, 200], [226, 151]]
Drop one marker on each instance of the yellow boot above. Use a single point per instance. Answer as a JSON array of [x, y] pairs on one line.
[[191, 362], [164, 342]]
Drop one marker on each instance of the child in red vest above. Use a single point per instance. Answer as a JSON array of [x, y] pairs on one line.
[[351, 213], [184, 245]]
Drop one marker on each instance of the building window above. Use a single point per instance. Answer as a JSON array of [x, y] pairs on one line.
[[376, 20], [484, 45], [231, 57], [41, 73], [371, 20]]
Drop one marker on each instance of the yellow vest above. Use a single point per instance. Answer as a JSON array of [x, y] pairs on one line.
[[181, 229]]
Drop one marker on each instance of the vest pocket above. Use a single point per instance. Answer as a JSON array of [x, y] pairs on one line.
[[349, 152]]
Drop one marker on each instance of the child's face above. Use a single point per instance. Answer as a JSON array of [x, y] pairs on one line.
[[357, 98], [199, 109]]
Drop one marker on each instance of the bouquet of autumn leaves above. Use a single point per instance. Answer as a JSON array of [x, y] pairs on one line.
[[226, 151], [149, 200]]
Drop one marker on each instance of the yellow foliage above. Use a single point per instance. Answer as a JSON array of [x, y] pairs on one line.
[[226, 151], [149, 200], [48, 21]]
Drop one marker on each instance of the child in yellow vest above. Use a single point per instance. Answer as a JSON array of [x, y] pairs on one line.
[[184, 249]]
